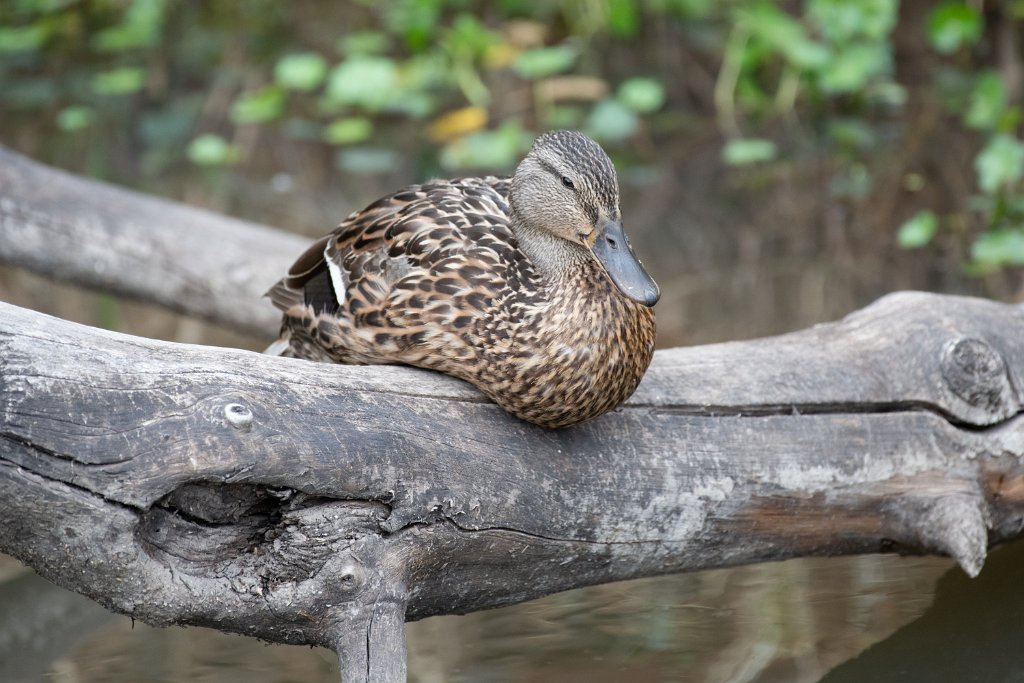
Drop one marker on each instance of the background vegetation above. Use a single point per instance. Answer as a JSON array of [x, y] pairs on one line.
[[752, 136]]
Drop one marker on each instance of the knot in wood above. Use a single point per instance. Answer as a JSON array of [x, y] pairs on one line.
[[975, 372], [238, 416], [350, 578]]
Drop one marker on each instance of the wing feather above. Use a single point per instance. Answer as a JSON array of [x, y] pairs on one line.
[[412, 267]]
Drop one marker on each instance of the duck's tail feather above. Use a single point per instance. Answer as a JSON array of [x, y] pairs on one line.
[[284, 297]]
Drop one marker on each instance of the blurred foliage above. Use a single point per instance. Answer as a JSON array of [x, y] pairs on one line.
[[977, 95], [460, 85]]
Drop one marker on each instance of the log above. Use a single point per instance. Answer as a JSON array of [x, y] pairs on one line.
[[320, 504], [103, 237]]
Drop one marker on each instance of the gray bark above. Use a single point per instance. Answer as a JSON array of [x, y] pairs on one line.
[[306, 503]]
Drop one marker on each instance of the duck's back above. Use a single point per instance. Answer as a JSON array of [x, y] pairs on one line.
[[418, 277]]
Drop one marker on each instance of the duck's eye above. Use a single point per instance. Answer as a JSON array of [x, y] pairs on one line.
[[568, 183]]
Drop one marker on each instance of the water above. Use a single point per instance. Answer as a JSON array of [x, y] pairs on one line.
[[834, 619]]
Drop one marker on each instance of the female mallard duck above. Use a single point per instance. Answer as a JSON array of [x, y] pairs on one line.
[[526, 288]]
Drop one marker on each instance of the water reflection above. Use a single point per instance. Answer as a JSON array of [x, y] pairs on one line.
[[972, 633], [790, 621], [39, 623]]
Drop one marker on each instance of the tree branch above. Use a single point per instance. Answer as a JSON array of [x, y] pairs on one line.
[[104, 237]]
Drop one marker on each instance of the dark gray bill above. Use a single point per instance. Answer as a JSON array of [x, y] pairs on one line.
[[612, 249]]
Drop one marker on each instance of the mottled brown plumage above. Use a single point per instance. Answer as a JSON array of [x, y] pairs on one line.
[[525, 287]]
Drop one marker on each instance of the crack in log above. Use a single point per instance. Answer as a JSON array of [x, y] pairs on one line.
[[32, 446], [836, 408], [26, 444], [587, 543], [71, 459], [6, 462]]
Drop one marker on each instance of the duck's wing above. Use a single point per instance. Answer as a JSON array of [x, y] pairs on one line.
[[304, 283], [427, 254]]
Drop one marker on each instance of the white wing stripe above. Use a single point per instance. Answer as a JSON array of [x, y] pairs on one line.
[[337, 278]]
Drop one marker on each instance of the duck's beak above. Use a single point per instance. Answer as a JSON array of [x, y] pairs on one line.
[[614, 252]]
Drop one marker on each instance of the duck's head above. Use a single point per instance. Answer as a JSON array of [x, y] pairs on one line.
[[566, 188]]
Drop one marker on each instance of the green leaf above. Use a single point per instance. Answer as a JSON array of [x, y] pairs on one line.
[[622, 17], [999, 248], [468, 37], [123, 37], [140, 27], [841, 21], [212, 150], [258, 106], [918, 231], [365, 81], [23, 38], [75, 118], [348, 130], [300, 71], [767, 21], [988, 102], [806, 54], [118, 81], [783, 33], [643, 95], [953, 24], [611, 120], [545, 61], [746, 151], [485, 149], [1000, 163], [416, 21], [852, 67]]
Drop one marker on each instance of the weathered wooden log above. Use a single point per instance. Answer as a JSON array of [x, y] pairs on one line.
[[307, 503], [105, 237]]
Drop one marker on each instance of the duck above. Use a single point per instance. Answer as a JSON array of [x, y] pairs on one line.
[[526, 287]]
